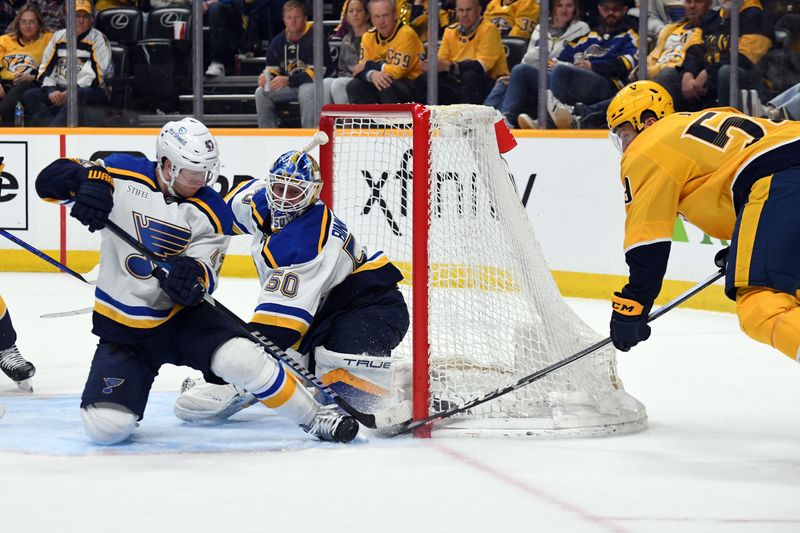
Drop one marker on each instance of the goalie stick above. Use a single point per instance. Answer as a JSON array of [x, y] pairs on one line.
[[38, 253], [527, 380], [390, 417]]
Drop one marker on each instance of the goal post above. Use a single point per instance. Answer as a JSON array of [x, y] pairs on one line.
[[428, 186]]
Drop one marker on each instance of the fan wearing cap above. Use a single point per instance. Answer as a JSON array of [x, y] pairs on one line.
[[735, 177], [46, 105]]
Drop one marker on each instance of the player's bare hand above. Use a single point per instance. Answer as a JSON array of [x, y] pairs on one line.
[[504, 79], [443, 65], [358, 69], [279, 82], [381, 80]]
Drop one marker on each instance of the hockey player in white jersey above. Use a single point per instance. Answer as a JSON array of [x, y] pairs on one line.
[[321, 294], [145, 318]]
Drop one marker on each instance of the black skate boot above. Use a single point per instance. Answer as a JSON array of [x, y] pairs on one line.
[[17, 367], [331, 425]]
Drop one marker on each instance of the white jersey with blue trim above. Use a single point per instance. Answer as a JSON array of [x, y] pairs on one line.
[[300, 265], [129, 303]]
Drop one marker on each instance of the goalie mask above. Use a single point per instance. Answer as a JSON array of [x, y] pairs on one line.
[[294, 184], [192, 152]]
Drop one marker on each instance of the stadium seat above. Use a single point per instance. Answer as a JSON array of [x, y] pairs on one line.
[[120, 24], [335, 46], [122, 79], [160, 21], [515, 48]]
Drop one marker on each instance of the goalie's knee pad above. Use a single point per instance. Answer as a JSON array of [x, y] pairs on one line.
[[366, 382], [202, 402], [108, 423], [771, 317], [243, 363]]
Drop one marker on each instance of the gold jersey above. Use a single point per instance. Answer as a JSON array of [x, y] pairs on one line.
[[18, 58], [701, 166], [400, 52], [483, 44], [516, 17]]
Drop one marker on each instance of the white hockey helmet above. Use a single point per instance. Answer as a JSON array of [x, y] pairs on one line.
[[188, 145]]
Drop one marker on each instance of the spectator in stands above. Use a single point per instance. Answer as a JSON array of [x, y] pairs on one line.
[[264, 20], [21, 50], [356, 23], [390, 59], [707, 70], [592, 69], [46, 105], [471, 58], [665, 61], [514, 18], [53, 12], [414, 13], [224, 18], [290, 61], [785, 106], [518, 93], [781, 66]]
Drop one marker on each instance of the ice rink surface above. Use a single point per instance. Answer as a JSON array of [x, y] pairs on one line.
[[721, 453]]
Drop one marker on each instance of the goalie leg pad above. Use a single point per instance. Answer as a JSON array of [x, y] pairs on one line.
[[366, 382], [108, 423], [203, 402], [771, 317], [243, 363]]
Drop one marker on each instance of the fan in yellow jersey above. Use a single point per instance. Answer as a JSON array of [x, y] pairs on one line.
[[514, 18], [21, 50], [736, 178], [390, 59], [471, 58]]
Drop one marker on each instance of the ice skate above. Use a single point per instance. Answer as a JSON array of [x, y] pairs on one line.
[[16, 367], [331, 425]]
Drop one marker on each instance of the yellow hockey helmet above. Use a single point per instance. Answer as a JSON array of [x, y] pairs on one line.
[[636, 98]]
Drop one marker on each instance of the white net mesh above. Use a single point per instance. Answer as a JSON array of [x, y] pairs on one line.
[[494, 311]]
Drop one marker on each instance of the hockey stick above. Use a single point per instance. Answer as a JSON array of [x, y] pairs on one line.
[[527, 380], [81, 311], [383, 419], [42, 255]]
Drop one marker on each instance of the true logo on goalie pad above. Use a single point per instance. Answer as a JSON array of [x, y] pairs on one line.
[[111, 384]]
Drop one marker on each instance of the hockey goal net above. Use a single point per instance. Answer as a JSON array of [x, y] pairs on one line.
[[428, 186]]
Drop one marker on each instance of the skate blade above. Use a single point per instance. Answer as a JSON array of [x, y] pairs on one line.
[[25, 385]]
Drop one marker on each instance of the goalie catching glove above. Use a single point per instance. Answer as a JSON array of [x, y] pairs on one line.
[[628, 322], [184, 282], [94, 198]]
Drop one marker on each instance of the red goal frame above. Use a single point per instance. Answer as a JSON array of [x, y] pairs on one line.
[[420, 272]]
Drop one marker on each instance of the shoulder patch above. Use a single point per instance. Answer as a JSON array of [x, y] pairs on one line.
[[211, 204], [132, 168], [300, 241]]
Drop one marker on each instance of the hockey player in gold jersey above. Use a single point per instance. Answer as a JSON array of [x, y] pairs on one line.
[[736, 178], [390, 59]]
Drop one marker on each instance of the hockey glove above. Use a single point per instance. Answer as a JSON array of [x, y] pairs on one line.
[[721, 259], [184, 282], [94, 199], [628, 322]]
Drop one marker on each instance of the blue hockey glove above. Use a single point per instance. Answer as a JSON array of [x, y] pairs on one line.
[[94, 199], [628, 322], [185, 281]]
